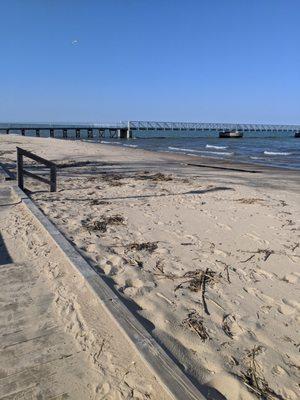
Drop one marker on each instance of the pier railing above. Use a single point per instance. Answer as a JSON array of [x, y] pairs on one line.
[[21, 172]]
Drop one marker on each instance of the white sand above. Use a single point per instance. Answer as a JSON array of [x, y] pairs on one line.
[[239, 231]]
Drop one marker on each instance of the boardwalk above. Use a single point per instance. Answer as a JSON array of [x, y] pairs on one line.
[[38, 359]]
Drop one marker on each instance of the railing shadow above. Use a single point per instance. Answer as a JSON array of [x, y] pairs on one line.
[[5, 257]]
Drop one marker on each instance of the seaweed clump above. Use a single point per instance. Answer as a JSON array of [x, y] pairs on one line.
[[102, 224]]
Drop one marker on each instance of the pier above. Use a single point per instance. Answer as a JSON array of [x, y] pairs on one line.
[[126, 129]]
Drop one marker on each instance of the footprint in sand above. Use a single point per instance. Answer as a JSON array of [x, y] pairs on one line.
[[291, 278], [229, 387], [257, 238], [132, 286], [231, 326], [103, 390], [285, 309], [111, 265], [223, 226], [278, 370], [258, 294], [289, 307]]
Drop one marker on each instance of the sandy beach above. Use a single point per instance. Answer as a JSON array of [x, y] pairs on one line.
[[207, 258]]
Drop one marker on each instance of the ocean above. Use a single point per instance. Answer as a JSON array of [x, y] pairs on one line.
[[278, 149]]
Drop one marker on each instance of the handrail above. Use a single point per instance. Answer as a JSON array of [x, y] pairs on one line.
[[21, 172]]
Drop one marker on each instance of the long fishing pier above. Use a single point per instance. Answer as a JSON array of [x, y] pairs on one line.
[[126, 129]]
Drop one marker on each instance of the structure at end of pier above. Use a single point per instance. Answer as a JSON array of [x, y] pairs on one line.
[[230, 134]]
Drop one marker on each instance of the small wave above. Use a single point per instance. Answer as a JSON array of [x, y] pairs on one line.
[[210, 146], [178, 148], [274, 153], [105, 142], [203, 156], [257, 158], [222, 153], [130, 145]]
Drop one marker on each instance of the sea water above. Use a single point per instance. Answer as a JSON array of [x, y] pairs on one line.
[[279, 149]]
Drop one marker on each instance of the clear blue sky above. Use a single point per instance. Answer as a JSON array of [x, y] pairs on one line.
[[170, 60]]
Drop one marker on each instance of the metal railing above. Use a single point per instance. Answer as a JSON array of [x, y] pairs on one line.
[[21, 172]]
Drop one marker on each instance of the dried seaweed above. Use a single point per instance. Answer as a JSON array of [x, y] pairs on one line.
[[161, 177], [267, 253], [148, 246], [112, 179], [195, 323], [160, 272], [156, 177], [249, 201], [97, 202], [101, 225], [198, 280], [226, 269], [254, 379]]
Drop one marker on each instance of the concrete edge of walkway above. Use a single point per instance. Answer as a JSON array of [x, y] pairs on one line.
[[172, 378]]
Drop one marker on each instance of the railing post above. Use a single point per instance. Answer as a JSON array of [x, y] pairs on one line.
[[65, 133], [53, 178], [101, 133], [51, 132], [37, 132], [90, 133], [20, 169]]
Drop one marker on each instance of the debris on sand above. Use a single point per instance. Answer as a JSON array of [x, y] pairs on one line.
[[112, 179], [148, 246], [253, 378], [159, 271], [102, 224], [250, 201], [266, 252], [97, 202], [194, 322], [198, 280], [161, 177], [156, 177]]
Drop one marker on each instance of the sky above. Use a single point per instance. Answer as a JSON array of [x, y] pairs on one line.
[[157, 60]]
